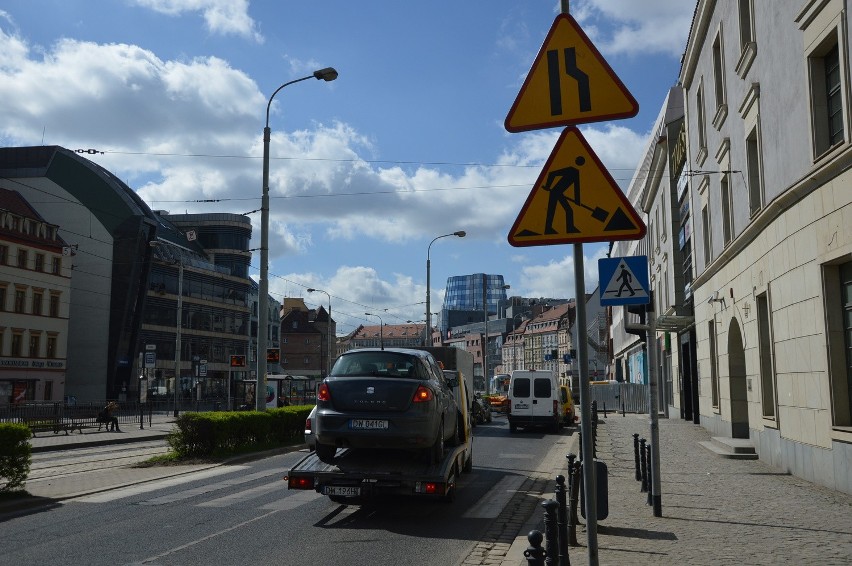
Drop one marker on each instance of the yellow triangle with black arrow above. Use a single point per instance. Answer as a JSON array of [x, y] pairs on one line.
[[575, 200]]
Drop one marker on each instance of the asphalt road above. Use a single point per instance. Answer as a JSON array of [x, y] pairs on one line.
[[242, 514]]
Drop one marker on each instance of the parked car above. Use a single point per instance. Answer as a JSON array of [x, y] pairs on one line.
[[310, 439], [481, 409], [391, 398]]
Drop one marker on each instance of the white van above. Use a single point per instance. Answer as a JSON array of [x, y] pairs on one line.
[[534, 400]]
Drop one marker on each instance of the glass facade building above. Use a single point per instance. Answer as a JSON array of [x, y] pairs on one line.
[[464, 293]]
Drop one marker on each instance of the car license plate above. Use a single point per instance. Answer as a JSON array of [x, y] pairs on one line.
[[371, 424], [342, 491]]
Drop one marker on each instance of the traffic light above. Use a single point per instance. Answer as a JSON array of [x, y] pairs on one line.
[[637, 310], [273, 355], [238, 361]]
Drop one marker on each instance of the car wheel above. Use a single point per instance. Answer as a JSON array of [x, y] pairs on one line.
[[326, 452], [513, 427]]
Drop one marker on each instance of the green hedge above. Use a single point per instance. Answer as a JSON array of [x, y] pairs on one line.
[[220, 433], [15, 453]]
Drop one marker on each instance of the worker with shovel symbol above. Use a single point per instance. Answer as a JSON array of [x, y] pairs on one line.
[[568, 176]]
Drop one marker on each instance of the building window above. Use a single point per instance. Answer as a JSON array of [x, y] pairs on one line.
[[48, 391], [35, 344], [838, 297], [22, 258], [727, 209], [39, 262], [51, 347], [719, 82], [2, 299], [56, 265], [746, 24], [17, 340], [705, 227], [20, 299], [826, 95], [54, 305], [307, 360], [764, 345], [37, 300], [755, 172], [4, 255], [714, 366], [702, 123]]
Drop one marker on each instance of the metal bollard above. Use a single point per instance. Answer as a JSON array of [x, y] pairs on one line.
[[534, 552], [604, 409], [551, 533], [643, 464], [650, 475], [562, 520], [622, 410], [636, 455], [573, 496]]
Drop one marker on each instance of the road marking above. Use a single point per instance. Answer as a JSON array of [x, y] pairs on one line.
[[244, 495], [490, 506], [130, 491], [207, 488], [293, 501]]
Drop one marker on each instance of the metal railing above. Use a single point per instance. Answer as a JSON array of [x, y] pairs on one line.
[[629, 397]]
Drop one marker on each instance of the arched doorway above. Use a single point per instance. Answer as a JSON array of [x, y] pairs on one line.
[[737, 380]]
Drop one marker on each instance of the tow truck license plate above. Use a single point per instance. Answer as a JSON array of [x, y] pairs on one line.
[[368, 424], [343, 491]]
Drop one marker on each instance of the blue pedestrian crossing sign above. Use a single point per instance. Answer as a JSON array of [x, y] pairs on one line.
[[624, 280]]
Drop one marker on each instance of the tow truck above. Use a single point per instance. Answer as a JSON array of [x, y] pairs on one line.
[[357, 475]]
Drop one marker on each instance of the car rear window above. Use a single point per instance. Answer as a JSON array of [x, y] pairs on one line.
[[541, 388], [521, 387], [378, 364]]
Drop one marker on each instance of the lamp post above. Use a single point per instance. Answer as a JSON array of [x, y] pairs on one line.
[[327, 330], [381, 329], [428, 338], [327, 74]]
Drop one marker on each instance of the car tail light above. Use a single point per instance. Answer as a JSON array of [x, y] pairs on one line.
[[300, 482], [423, 394], [323, 393]]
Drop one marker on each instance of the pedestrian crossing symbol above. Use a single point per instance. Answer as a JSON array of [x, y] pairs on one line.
[[623, 280], [557, 212]]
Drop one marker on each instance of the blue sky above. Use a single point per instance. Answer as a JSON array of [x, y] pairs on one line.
[[406, 145]]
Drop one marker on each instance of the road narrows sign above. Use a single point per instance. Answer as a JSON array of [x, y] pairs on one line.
[[569, 83], [557, 211]]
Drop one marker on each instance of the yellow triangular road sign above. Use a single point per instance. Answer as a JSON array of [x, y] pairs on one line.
[[569, 83], [574, 200]]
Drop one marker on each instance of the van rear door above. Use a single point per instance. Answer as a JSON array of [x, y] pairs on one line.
[[542, 402]]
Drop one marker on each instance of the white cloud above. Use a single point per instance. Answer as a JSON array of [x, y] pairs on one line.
[[556, 279], [636, 27], [226, 17]]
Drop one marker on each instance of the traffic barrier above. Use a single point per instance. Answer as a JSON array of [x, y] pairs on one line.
[[636, 455], [534, 552], [562, 519]]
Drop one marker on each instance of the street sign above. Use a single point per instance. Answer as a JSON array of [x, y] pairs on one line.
[[273, 355], [569, 83], [150, 359], [150, 347], [202, 370], [238, 361], [558, 212], [624, 280]]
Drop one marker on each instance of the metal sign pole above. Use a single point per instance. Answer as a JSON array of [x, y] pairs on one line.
[[589, 487], [653, 380]]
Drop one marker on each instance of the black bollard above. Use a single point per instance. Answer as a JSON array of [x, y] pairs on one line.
[[636, 455], [604, 409], [644, 465], [562, 520], [551, 533], [573, 495], [622, 409], [650, 476], [534, 552]]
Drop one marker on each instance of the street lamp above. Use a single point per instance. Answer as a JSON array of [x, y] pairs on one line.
[[460, 234], [327, 330], [327, 74], [381, 329], [179, 263]]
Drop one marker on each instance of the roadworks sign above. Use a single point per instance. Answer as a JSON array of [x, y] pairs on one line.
[[575, 200]]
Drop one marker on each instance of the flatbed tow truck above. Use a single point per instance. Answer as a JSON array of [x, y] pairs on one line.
[[357, 475]]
